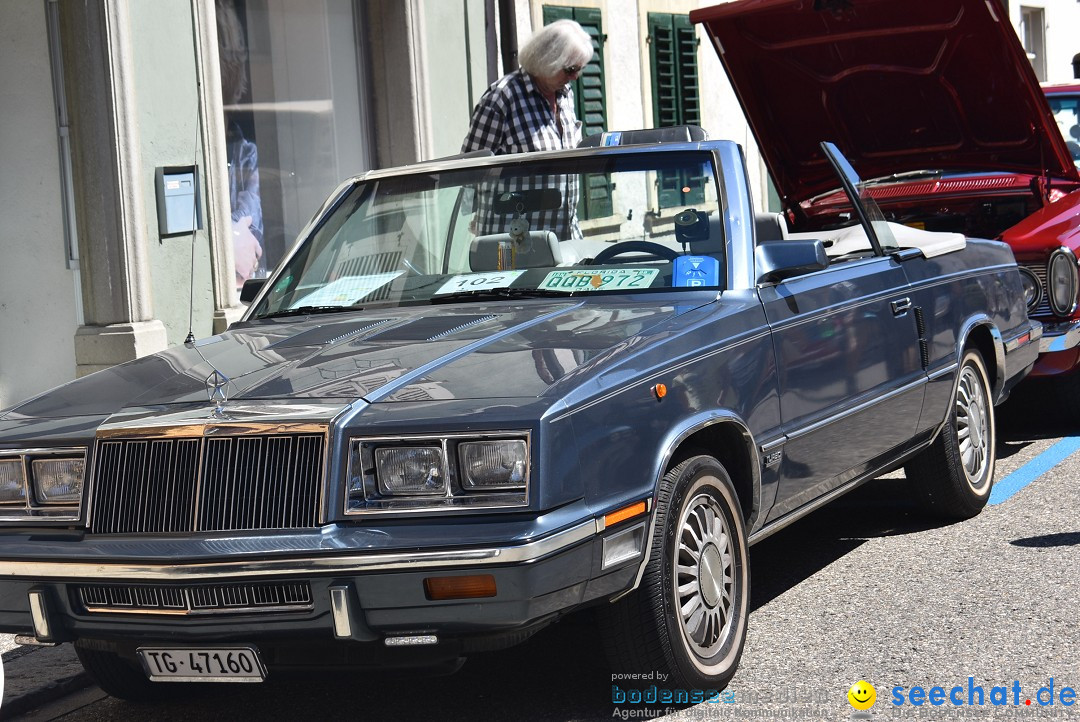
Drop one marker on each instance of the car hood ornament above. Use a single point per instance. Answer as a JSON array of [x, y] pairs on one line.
[[217, 389]]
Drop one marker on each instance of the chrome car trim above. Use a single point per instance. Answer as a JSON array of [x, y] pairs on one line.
[[1071, 260], [796, 514], [213, 428], [310, 565], [1059, 336], [288, 469], [149, 612], [999, 348], [39, 612], [770, 445], [943, 371], [817, 315], [238, 418], [1034, 334], [442, 439], [9, 512], [810, 428], [38, 451], [195, 600], [339, 608], [950, 278]]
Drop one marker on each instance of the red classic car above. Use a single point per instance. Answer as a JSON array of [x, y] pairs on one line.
[[937, 103]]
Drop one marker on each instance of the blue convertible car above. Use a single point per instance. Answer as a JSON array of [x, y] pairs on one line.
[[482, 393]]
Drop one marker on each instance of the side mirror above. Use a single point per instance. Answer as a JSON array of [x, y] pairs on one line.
[[777, 260], [251, 289]]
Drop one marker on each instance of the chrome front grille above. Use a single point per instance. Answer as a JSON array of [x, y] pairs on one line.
[[1043, 309], [201, 599], [216, 483]]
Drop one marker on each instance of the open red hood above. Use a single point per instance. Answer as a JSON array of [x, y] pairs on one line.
[[898, 85]]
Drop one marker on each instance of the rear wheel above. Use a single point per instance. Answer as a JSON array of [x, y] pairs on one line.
[[953, 477], [688, 617]]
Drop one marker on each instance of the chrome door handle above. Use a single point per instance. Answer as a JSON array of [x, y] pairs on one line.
[[901, 306]]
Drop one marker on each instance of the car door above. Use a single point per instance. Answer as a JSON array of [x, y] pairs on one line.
[[850, 376], [850, 373]]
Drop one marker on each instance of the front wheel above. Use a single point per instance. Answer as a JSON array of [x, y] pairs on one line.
[[953, 477], [688, 617]]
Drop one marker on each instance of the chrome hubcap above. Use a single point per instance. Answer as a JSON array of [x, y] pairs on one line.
[[972, 425], [705, 575]]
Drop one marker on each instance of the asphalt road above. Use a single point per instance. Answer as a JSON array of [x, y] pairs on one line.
[[866, 588]]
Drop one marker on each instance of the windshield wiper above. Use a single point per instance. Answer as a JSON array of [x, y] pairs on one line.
[[907, 175], [310, 310], [500, 293]]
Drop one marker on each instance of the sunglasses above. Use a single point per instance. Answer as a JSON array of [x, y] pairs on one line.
[[572, 69]]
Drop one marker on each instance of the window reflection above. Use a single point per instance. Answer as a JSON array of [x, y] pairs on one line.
[[295, 114]]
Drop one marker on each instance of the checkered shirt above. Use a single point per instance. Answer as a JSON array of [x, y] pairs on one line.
[[514, 117]]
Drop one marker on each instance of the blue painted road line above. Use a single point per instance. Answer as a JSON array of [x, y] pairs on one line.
[[1035, 468]]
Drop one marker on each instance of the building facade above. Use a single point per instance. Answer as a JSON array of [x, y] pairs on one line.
[[127, 122]]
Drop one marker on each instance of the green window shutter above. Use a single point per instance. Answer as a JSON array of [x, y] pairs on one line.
[[664, 70], [557, 12], [686, 44], [673, 60], [590, 103]]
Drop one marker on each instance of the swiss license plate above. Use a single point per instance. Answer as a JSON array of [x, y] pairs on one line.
[[202, 664], [600, 279]]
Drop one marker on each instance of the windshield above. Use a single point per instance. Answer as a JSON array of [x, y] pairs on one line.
[[615, 223], [1066, 110]]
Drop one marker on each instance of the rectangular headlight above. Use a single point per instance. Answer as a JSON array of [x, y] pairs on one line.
[[58, 481], [475, 470], [493, 464], [12, 482], [410, 470]]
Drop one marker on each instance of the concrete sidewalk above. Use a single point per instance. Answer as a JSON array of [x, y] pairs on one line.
[[35, 675]]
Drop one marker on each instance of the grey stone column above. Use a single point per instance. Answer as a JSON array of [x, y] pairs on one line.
[[109, 203]]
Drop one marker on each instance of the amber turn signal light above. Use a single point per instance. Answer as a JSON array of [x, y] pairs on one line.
[[627, 512], [474, 587]]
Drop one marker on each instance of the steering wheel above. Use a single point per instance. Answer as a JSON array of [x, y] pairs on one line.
[[653, 249]]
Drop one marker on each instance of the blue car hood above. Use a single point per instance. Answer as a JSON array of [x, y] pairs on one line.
[[398, 354]]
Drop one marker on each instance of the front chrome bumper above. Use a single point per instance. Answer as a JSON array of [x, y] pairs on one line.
[[309, 565], [1059, 336]]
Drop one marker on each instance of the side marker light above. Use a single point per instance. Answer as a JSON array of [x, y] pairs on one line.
[[627, 512]]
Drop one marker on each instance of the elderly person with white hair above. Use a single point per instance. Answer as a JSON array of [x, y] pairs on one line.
[[532, 109]]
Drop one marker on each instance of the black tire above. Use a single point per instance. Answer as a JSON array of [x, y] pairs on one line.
[[953, 477], [120, 677], [646, 631]]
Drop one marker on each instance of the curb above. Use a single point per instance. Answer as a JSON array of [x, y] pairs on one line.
[[38, 676]]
